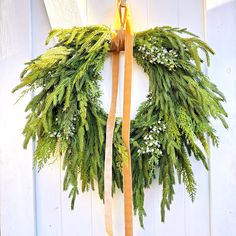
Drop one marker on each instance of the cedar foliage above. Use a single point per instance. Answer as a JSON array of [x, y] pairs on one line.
[[66, 117]]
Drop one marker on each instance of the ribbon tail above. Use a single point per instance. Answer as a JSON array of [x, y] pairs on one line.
[[127, 172], [109, 140]]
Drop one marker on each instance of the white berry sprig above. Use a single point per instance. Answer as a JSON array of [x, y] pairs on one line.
[[159, 55], [152, 144], [67, 133]]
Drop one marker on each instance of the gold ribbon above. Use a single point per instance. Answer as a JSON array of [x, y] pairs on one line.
[[122, 40]]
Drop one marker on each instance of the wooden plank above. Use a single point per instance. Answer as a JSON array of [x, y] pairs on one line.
[[163, 13], [167, 13], [47, 181], [191, 16], [54, 214], [48, 200], [221, 31], [7, 44], [16, 176], [66, 14], [78, 221], [102, 14]]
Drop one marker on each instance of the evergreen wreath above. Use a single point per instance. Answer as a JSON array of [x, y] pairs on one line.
[[66, 117]]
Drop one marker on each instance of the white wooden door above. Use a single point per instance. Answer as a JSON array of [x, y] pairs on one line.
[[33, 204]]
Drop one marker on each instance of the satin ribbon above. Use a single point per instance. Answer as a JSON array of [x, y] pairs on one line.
[[122, 40]]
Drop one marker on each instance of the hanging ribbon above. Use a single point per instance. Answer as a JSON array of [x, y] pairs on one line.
[[122, 40]]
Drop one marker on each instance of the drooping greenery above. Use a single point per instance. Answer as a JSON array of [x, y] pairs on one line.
[[66, 117]]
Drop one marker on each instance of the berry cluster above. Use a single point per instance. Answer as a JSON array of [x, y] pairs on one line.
[[67, 133], [151, 140]]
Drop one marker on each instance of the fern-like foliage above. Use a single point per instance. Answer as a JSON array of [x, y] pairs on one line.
[[184, 99], [66, 117]]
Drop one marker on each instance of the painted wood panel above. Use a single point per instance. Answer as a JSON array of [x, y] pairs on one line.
[[47, 181], [52, 207], [191, 16], [65, 14], [54, 216], [16, 175], [221, 33], [159, 14]]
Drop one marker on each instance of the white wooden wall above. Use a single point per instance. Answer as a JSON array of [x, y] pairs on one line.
[[221, 30], [33, 204]]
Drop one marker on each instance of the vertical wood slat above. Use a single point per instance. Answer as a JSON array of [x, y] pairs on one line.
[[191, 16], [57, 211], [140, 11], [47, 181], [16, 176], [102, 14], [188, 14], [167, 13], [78, 221], [163, 13], [7, 44], [65, 14], [221, 33]]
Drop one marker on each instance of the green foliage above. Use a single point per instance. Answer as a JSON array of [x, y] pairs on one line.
[[184, 99], [66, 117]]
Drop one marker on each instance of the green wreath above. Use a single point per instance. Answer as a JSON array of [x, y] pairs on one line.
[[66, 117]]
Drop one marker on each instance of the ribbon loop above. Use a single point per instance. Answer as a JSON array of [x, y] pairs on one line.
[[118, 42], [123, 40]]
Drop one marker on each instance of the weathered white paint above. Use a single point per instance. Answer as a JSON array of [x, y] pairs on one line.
[[49, 214]]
